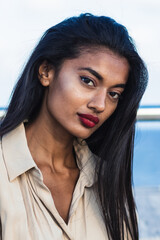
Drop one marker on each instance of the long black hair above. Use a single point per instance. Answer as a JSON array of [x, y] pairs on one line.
[[113, 141]]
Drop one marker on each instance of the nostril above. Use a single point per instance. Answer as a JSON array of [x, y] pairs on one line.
[[97, 106], [98, 102]]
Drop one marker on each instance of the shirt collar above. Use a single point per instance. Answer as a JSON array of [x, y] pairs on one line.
[[86, 161], [16, 154], [18, 158]]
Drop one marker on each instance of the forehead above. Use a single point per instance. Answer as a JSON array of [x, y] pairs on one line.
[[98, 56], [102, 55]]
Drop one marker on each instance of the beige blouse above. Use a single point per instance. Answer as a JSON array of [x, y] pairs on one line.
[[27, 209]]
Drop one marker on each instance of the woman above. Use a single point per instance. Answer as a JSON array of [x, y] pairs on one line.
[[67, 137]]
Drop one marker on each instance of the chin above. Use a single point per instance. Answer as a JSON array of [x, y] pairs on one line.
[[84, 134]]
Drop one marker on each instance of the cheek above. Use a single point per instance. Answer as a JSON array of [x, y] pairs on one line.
[[65, 97], [57, 102]]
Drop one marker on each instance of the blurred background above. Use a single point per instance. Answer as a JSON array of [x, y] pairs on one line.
[[22, 23]]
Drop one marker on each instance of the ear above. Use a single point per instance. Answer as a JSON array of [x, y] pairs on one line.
[[45, 73]]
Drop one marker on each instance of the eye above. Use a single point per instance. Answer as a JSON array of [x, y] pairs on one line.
[[87, 81], [115, 95]]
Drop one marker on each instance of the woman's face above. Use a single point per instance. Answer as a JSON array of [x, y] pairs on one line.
[[86, 91]]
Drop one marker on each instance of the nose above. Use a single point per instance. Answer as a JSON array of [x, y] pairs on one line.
[[98, 101]]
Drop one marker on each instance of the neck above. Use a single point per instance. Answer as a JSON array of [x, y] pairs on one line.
[[49, 145]]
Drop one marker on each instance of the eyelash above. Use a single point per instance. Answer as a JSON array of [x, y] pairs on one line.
[[119, 96], [88, 79]]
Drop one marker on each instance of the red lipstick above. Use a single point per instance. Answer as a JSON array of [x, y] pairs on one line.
[[88, 120]]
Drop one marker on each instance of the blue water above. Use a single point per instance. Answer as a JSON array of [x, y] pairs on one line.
[[146, 166], [146, 175]]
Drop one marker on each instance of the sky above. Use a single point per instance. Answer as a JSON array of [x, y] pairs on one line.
[[22, 23]]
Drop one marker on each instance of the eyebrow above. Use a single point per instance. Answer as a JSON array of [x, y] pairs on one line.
[[119, 85], [99, 77], [93, 72]]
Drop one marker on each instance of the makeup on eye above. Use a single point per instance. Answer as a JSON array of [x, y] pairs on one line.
[[115, 95], [97, 76], [87, 81]]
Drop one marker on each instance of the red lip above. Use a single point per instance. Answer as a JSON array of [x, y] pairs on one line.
[[90, 117], [88, 120]]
